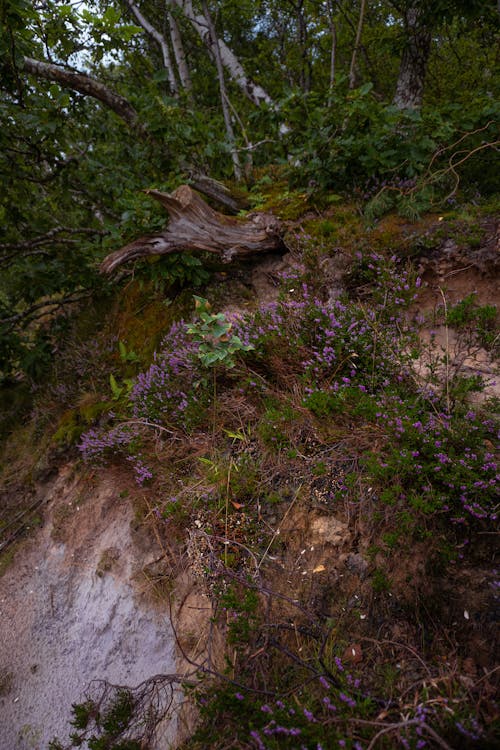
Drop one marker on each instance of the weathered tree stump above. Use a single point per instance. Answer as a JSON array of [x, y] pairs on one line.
[[195, 226]]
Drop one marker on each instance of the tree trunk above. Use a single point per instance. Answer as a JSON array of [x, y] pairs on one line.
[[252, 90], [410, 85], [214, 42], [357, 43], [333, 52], [179, 54], [195, 226], [161, 41]]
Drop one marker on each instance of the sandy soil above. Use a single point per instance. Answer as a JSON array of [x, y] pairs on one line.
[[70, 612]]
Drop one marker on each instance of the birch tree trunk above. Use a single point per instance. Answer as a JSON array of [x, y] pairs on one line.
[[179, 54], [214, 42], [161, 41], [252, 90]]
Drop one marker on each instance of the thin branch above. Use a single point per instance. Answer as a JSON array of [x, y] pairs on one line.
[[44, 239], [161, 41], [359, 30], [87, 85], [43, 308]]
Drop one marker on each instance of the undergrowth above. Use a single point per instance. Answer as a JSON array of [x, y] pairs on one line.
[[330, 405]]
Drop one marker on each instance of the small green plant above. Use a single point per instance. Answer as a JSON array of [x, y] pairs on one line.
[[242, 609], [216, 344], [102, 727], [182, 270], [125, 355], [120, 390], [474, 320], [276, 424], [379, 581]]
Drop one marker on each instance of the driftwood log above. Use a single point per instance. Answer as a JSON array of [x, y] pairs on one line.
[[195, 226]]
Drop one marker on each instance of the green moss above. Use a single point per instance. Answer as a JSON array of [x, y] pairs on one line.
[[379, 581], [340, 226], [141, 317], [275, 196], [74, 422]]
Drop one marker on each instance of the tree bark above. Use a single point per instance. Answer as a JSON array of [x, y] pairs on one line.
[[195, 226], [410, 85], [179, 54], [85, 85], [333, 52], [252, 90], [357, 43], [216, 191], [161, 41], [214, 42]]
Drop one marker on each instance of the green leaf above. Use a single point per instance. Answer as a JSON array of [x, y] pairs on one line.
[[115, 388]]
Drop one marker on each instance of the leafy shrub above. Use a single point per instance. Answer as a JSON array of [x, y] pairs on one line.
[[437, 462], [393, 158], [177, 269]]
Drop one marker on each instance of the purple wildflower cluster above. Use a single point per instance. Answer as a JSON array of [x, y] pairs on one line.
[[309, 724], [141, 471], [166, 390], [98, 443], [333, 343], [441, 459]]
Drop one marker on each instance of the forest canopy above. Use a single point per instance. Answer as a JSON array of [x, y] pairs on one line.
[[101, 100]]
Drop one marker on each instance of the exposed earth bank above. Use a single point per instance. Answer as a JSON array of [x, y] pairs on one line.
[[72, 610]]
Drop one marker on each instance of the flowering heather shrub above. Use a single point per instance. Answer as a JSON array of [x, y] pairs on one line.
[[348, 358], [324, 714], [336, 343], [120, 440], [437, 461], [166, 391], [97, 443]]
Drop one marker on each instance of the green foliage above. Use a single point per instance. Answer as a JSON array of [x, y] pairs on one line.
[[241, 605], [125, 355], [379, 581], [392, 158], [182, 270], [216, 344], [275, 426], [476, 320], [82, 714], [120, 390], [103, 727]]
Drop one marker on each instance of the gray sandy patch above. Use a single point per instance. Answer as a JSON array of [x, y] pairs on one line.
[[69, 613]]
